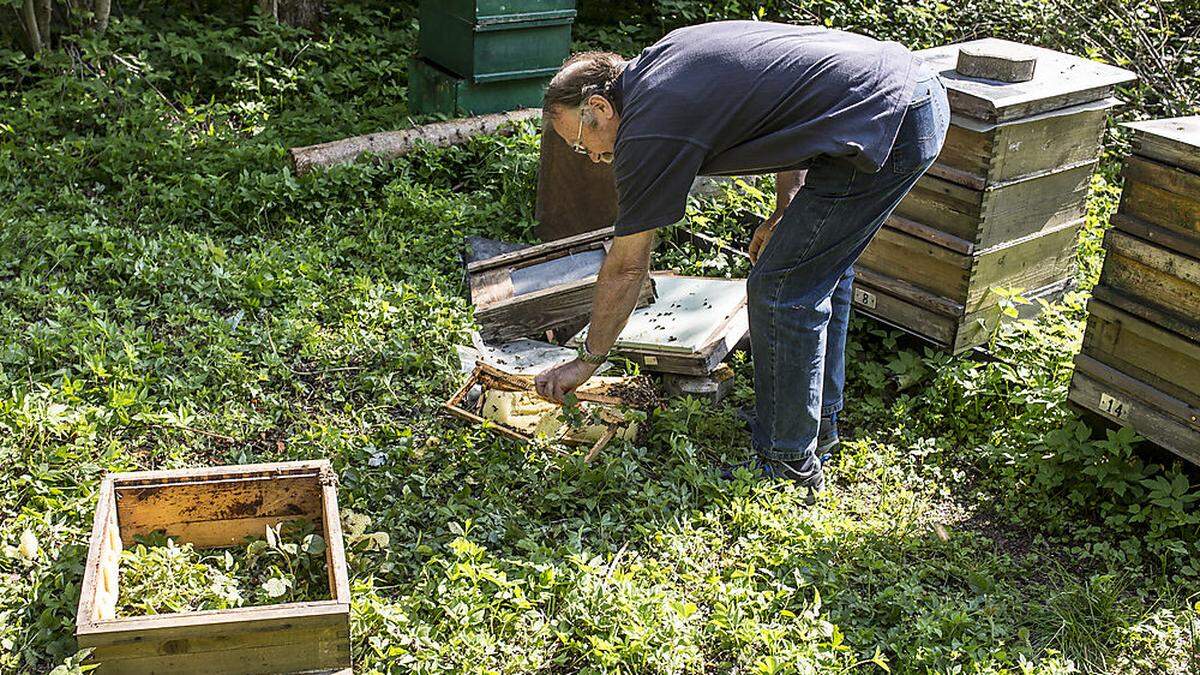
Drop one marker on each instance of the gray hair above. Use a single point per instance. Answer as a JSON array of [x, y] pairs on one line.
[[581, 76]]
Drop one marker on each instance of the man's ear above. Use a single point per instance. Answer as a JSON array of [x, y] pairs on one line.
[[602, 106]]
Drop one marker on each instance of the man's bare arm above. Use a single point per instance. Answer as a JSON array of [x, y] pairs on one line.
[[617, 287], [787, 184]]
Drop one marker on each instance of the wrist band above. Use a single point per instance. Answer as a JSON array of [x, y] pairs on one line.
[[590, 358]]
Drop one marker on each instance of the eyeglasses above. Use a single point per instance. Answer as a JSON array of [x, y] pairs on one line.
[[577, 146]]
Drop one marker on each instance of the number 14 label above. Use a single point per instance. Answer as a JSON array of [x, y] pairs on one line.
[[1113, 406]]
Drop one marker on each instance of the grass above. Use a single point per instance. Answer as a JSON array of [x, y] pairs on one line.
[[170, 295]]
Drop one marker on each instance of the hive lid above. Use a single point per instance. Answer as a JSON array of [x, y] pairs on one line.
[[1174, 141], [1059, 80]]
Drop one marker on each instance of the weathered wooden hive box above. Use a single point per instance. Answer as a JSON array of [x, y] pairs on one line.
[[534, 289], [213, 508], [1140, 363], [1004, 201]]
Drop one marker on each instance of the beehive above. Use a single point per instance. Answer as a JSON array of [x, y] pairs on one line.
[[1002, 204], [1140, 363], [480, 56]]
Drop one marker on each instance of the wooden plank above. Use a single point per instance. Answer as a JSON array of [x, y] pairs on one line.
[[102, 522], [982, 155], [232, 637], [542, 251], [219, 473], [1034, 261], [304, 652], [1163, 208], [1171, 141], [335, 554], [943, 205], [884, 305], [955, 244], [1170, 239], [210, 623], [1035, 205], [217, 512], [911, 293], [922, 263], [1162, 176], [1155, 279], [1162, 195], [1166, 361], [1060, 80], [1157, 416], [1153, 314]]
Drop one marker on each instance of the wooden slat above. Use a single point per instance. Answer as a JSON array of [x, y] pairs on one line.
[[910, 293], [335, 554], [1162, 195], [1034, 261], [982, 156], [541, 251], [1169, 239], [101, 522], [943, 205], [1157, 416], [922, 263], [1032, 206], [1170, 321], [217, 512], [1155, 279], [1163, 359]]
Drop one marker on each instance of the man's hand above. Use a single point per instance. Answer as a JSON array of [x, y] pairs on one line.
[[554, 384], [762, 235]]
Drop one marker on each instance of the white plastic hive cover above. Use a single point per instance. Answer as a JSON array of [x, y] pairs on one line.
[[689, 313]]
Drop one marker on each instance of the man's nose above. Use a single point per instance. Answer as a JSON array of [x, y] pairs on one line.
[[596, 157]]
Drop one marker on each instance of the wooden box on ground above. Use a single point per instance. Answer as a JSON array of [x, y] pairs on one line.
[[1002, 204], [1140, 363], [545, 287], [215, 507]]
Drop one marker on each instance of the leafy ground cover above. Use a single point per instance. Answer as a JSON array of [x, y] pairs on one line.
[[171, 295]]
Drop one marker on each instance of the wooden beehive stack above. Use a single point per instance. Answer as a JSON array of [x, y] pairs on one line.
[[1004, 201], [1140, 363]]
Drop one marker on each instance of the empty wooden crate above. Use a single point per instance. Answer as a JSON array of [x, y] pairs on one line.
[[209, 508], [1002, 204]]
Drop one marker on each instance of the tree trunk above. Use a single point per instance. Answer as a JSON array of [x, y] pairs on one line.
[[29, 22], [101, 11], [44, 11], [396, 143], [300, 13]]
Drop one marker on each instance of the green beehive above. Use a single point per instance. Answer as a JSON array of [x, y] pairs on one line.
[[511, 47], [432, 89], [492, 11]]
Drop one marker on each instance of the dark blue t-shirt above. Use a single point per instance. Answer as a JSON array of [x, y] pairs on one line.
[[748, 97]]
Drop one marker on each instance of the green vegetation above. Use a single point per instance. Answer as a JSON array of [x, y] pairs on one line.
[[171, 295], [286, 564]]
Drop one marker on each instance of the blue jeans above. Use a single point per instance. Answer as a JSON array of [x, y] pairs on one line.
[[800, 288]]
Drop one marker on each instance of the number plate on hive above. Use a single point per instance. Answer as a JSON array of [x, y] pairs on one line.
[[864, 298], [1113, 406]]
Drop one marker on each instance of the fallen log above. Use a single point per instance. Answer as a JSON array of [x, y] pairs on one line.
[[396, 143]]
